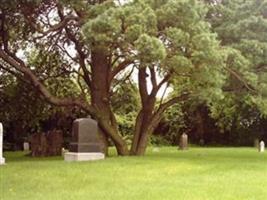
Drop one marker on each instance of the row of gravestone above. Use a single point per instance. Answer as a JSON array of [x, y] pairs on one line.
[[183, 143], [85, 144]]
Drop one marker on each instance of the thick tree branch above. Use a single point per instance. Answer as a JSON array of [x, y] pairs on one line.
[[163, 94], [79, 48], [142, 85], [124, 79], [171, 102], [14, 73], [161, 83], [237, 76], [57, 27], [3, 31], [153, 77], [261, 67], [81, 87], [62, 48], [119, 68], [21, 67]]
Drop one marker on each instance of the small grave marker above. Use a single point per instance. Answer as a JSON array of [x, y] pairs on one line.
[[2, 159], [26, 146], [183, 145], [262, 147]]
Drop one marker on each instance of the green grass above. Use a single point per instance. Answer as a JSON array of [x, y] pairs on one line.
[[198, 174]]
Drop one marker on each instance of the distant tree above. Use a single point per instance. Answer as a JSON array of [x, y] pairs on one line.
[[242, 26]]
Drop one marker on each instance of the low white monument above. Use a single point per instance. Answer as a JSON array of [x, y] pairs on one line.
[[26, 146], [262, 147], [155, 149], [2, 159]]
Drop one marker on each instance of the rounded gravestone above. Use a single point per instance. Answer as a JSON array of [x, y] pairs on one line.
[[183, 144]]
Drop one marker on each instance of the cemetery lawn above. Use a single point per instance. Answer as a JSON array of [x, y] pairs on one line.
[[197, 174]]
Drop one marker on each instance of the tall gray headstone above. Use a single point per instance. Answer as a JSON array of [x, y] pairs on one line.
[[2, 159], [85, 144]]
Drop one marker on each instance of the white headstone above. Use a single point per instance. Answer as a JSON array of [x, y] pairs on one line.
[[155, 149], [2, 159], [26, 146], [262, 146]]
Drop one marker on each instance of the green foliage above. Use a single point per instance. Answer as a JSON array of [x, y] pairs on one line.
[[104, 29], [57, 79], [229, 79], [242, 29], [178, 37], [125, 103], [126, 122], [150, 49], [175, 119], [193, 52], [182, 14], [23, 111], [156, 140], [19, 104], [110, 24]]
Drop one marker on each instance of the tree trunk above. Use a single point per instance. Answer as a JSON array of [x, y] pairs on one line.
[[137, 133], [104, 141], [144, 121], [120, 144], [100, 94], [143, 142], [143, 128]]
